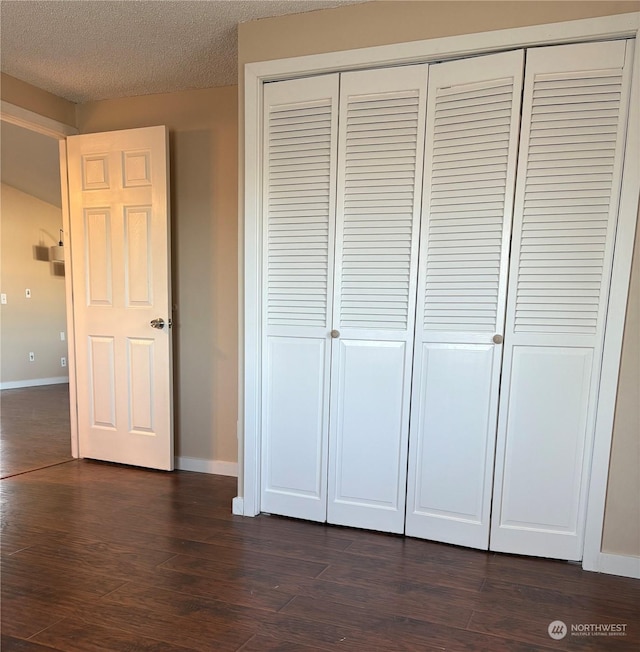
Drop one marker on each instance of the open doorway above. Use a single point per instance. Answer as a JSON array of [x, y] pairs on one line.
[[34, 379]]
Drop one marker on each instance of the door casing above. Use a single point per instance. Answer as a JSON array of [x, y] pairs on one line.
[[47, 127]]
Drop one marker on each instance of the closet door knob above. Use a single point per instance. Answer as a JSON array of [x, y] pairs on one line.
[[498, 339], [335, 333]]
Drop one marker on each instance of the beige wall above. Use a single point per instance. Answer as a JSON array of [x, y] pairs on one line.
[[203, 141], [34, 99], [28, 227], [382, 23], [622, 518]]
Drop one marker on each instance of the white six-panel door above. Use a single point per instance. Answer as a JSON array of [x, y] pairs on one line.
[[119, 209], [381, 145], [473, 118], [573, 129], [300, 148]]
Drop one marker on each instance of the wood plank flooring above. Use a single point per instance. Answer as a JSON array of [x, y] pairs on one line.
[[34, 428], [102, 557]]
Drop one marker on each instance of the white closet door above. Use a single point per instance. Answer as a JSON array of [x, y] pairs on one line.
[[381, 143], [300, 147], [473, 120], [573, 127]]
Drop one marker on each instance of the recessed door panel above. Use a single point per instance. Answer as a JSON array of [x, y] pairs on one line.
[[295, 422], [547, 413], [98, 257], [368, 453], [455, 447], [95, 172], [140, 355], [138, 261], [136, 168], [102, 380]]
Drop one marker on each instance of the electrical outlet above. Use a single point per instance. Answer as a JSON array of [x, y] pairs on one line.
[[62, 336], [27, 293], [3, 298], [32, 356], [63, 362]]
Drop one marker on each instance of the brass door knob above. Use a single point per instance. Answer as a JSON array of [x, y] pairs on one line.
[[498, 339], [335, 333]]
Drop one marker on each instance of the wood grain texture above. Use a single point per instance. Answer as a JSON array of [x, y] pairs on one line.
[[73, 635], [34, 429], [261, 643], [103, 557], [20, 645]]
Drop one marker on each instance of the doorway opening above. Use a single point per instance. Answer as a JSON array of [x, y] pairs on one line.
[[35, 427]]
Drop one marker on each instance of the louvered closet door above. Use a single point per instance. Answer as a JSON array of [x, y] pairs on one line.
[[300, 147], [574, 121], [473, 121], [381, 142]]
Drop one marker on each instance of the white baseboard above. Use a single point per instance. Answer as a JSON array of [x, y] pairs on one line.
[[237, 506], [625, 565], [34, 382], [200, 465]]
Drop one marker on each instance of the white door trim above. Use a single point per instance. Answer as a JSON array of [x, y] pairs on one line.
[[256, 74], [624, 565], [41, 124], [16, 115], [592, 557], [68, 281]]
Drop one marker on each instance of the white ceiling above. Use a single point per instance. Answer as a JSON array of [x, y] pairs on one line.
[[86, 50]]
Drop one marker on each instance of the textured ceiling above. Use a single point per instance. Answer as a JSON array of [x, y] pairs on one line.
[[86, 50]]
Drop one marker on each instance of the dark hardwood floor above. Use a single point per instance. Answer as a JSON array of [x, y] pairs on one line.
[[101, 557], [34, 428]]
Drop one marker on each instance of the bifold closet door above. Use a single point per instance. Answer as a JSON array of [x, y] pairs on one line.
[[300, 148], [472, 138], [573, 129], [381, 147]]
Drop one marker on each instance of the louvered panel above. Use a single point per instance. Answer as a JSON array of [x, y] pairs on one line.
[[300, 124], [567, 197], [565, 205], [380, 158], [472, 129], [378, 207], [469, 158], [298, 196]]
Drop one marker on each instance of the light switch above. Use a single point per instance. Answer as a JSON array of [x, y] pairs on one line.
[[3, 298], [27, 293], [62, 336]]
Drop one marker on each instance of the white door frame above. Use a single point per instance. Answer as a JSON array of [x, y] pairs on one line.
[[32, 121], [250, 264]]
